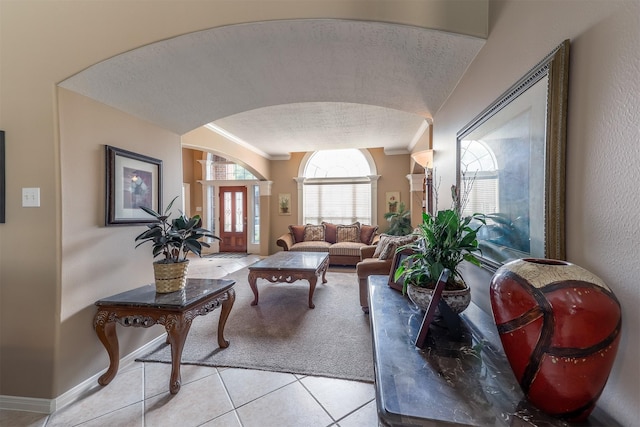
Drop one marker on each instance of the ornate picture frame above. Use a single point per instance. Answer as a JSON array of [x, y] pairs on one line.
[[430, 312], [284, 204], [511, 166], [132, 180], [392, 199], [397, 260]]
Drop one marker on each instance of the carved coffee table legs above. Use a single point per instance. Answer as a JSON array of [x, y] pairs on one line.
[[177, 325], [288, 276]]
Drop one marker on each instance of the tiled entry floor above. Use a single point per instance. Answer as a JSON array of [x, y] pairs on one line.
[[225, 397]]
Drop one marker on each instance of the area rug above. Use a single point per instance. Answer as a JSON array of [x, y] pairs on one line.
[[283, 334], [225, 255]]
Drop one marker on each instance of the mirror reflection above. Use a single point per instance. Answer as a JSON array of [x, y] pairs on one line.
[[502, 166]]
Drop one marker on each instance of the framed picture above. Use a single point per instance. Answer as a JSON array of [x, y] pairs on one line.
[[511, 166], [397, 260], [430, 314], [133, 180], [2, 179], [393, 199], [284, 204]]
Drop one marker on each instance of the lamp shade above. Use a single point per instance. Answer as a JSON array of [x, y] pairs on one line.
[[424, 158]]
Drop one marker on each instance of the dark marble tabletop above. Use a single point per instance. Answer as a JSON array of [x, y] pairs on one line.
[[146, 296], [462, 381]]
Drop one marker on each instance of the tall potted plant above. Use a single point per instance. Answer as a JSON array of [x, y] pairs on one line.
[[444, 241], [173, 240], [399, 221]]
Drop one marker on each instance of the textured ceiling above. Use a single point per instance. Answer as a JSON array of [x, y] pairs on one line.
[[287, 86]]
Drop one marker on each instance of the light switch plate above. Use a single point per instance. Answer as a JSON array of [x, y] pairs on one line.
[[30, 197]]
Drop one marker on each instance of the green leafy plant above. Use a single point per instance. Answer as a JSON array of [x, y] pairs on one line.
[[174, 239], [399, 221], [444, 241], [284, 204]]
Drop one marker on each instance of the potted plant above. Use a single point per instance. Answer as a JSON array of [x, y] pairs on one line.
[[399, 221], [444, 241], [284, 205], [173, 240]]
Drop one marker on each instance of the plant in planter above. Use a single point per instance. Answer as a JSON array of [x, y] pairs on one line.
[[399, 221], [173, 240], [444, 241], [284, 205]]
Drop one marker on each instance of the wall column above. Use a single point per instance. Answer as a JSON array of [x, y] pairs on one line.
[[265, 218], [416, 192]]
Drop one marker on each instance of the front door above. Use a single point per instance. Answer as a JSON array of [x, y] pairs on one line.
[[233, 219]]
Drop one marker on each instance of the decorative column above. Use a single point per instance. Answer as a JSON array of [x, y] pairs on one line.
[[417, 204], [265, 218]]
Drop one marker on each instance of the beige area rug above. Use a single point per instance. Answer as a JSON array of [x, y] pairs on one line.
[[282, 334]]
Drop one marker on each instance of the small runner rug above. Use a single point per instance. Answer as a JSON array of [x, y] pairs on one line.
[[225, 255], [283, 334]]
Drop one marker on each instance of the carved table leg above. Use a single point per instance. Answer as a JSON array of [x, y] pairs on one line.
[[106, 331], [177, 331], [325, 267], [253, 277], [224, 314], [312, 287]]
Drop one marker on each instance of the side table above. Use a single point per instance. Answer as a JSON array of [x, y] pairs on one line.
[[464, 381], [143, 307]]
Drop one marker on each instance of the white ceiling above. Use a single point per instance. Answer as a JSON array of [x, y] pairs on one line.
[[289, 86]]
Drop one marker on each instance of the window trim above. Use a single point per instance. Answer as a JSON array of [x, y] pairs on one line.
[[301, 180]]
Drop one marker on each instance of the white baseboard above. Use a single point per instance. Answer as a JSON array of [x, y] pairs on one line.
[[49, 406]]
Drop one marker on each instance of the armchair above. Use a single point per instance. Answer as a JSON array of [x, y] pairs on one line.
[[377, 259]]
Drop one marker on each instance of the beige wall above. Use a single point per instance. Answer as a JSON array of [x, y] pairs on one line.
[[45, 42], [207, 140], [45, 293], [603, 210], [100, 261]]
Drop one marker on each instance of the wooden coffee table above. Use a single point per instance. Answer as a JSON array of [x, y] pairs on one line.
[[287, 267], [143, 307]]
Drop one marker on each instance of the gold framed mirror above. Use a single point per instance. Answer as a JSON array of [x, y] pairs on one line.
[[511, 165]]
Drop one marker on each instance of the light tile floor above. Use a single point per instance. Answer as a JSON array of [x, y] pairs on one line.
[[212, 397]]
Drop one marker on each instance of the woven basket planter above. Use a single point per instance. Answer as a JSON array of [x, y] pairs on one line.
[[170, 277]]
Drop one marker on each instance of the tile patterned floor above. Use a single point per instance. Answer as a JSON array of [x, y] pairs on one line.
[[212, 397]]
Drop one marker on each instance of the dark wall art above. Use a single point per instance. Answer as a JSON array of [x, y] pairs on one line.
[[133, 180]]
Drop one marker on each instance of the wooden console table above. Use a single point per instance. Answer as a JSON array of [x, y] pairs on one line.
[[460, 382], [143, 307], [287, 267]]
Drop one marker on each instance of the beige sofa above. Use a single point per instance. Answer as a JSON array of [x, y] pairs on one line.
[[342, 242]]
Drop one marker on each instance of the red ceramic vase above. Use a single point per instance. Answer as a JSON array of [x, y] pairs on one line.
[[560, 328]]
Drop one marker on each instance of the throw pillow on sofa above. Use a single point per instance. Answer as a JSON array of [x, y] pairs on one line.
[[313, 233], [297, 231], [348, 233], [367, 233], [388, 245], [330, 232]]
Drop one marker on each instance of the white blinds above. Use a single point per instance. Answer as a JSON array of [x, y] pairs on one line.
[[483, 196], [338, 203]]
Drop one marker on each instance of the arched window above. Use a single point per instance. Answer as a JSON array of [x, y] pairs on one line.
[[479, 164], [338, 186], [219, 168]]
